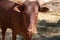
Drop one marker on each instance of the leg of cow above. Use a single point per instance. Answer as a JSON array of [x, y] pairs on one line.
[[13, 35], [4, 33]]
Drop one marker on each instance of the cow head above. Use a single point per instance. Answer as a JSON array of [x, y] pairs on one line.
[[32, 8]]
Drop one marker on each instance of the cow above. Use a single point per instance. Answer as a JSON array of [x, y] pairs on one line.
[[23, 22]]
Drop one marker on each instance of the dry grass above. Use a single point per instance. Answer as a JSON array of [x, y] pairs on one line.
[[50, 17]]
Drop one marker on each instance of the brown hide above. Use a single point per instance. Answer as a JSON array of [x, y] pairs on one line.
[[7, 5], [23, 22]]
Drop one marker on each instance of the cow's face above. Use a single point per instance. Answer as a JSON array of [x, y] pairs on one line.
[[31, 8]]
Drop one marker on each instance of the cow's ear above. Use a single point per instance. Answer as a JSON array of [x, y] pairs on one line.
[[43, 9], [21, 7]]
